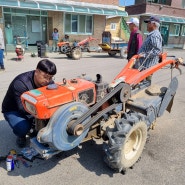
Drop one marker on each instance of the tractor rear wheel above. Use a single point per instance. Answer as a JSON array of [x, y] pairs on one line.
[[126, 143], [76, 53]]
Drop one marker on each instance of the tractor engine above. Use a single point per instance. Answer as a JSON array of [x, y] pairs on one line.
[[44, 102]]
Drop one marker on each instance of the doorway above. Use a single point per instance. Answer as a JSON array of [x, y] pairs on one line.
[[30, 26], [164, 29]]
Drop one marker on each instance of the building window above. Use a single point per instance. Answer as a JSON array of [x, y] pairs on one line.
[[174, 30], [78, 24], [157, 1], [153, 1], [183, 30], [145, 29], [162, 2], [183, 4], [113, 26], [16, 12]]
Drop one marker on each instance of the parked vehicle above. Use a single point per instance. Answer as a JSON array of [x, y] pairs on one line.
[[20, 51], [21, 44], [112, 48], [75, 50]]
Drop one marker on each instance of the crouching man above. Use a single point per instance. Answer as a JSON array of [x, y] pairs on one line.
[[20, 120]]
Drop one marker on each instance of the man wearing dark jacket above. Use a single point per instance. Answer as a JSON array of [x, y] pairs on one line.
[[20, 120], [136, 38]]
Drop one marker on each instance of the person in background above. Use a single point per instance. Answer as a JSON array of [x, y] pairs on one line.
[[55, 37], [2, 47], [151, 48], [14, 113], [136, 38], [66, 38], [8, 34]]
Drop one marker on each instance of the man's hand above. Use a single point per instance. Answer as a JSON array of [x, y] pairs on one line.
[[180, 61], [141, 55]]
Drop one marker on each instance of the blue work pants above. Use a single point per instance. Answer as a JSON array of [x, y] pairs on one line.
[[21, 125], [1, 58]]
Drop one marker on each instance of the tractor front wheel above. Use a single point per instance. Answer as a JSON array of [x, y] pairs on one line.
[[123, 52], [126, 143], [76, 53]]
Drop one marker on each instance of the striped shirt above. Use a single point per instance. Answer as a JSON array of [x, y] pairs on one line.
[[151, 47]]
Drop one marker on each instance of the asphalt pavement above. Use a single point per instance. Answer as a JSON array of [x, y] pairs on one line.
[[162, 161]]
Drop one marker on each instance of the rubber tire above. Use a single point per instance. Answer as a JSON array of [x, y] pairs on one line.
[[76, 53], [56, 131], [122, 140], [122, 53], [112, 54], [64, 48]]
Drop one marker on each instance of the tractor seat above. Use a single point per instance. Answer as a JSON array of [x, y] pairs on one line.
[[156, 90]]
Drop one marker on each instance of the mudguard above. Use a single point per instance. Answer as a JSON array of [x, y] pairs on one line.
[[167, 101]]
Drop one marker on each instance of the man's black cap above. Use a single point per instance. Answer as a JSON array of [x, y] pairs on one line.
[[152, 18]]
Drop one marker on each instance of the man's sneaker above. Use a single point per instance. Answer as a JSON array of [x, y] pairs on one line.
[[21, 142]]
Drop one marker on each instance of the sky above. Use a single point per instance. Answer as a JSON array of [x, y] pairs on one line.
[[126, 2]]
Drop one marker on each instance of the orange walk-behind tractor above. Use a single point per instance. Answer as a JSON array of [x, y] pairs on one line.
[[120, 113], [75, 50]]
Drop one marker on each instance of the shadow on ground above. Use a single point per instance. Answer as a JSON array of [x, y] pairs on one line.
[[90, 155]]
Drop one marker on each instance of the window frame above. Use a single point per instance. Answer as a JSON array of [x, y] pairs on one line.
[[112, 26], [79, 16], [183, 30], [157, 1], [176, 30]]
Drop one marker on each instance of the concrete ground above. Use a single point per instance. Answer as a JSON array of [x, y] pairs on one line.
[[162, 161]]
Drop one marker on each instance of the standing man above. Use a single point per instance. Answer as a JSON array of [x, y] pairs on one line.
[[152, 46], [14, 113], [55, 37], [2, 47], [136, 38]]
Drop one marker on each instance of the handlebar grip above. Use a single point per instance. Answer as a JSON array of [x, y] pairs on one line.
[[171, 56]]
